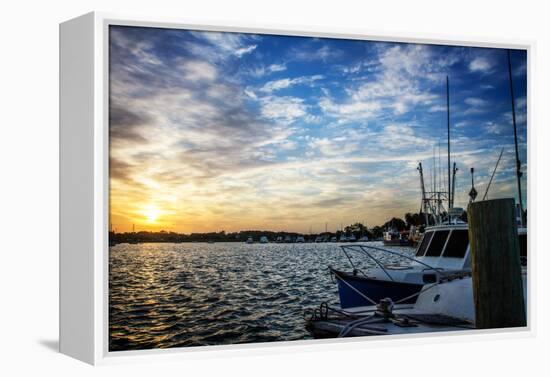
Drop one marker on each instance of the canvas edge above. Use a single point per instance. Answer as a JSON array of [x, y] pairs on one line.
[[101, 354], [76, 175]]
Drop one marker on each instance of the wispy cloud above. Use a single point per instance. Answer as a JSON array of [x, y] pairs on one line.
[[323, 53], [275, 85], [232, 131]]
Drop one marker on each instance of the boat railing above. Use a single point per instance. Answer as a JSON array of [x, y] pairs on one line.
[[364, 249]]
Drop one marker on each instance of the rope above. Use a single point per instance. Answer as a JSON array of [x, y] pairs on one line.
[[362, 321], [416, 294], [354, 289], [450, 277]]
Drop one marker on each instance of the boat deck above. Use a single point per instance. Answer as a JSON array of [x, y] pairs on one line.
[[412, 323]]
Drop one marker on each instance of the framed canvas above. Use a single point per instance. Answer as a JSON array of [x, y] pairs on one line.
[[228, 187]]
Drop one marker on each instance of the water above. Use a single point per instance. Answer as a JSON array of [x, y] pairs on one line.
[[192, 294]]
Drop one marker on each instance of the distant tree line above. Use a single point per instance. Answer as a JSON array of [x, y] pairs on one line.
[[358, 230]]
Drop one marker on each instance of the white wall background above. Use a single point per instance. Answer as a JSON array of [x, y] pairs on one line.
[[29, 184]]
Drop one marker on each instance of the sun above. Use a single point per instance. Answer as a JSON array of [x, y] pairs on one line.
[[151, 213]]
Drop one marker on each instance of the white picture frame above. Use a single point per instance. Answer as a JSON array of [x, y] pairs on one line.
[[84, 187]]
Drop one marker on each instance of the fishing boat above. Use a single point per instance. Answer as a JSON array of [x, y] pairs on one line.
[[393, 237], [444, 251], [249, 240], [263, 239]]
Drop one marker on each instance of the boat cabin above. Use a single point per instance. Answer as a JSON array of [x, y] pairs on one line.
[[448, 247]]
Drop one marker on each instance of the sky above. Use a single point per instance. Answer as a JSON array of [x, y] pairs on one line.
[[226, 131]]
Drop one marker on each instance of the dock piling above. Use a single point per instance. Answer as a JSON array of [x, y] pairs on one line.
[[496, 267]]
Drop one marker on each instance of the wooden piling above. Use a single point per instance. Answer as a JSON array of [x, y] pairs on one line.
[[496, 267]]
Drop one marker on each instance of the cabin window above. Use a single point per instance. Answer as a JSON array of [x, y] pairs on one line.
[[438, 241], [457, 245], [424, 245], [523, 245]]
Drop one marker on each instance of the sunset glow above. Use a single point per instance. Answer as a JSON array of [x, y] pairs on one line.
[[224, 131]]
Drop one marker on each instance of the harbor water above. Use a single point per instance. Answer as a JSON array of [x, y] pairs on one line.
[[165, 295]]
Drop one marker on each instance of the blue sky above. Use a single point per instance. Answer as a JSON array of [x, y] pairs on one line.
[[213, 131]]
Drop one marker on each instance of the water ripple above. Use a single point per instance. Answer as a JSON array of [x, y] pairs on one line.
[[192, 294]]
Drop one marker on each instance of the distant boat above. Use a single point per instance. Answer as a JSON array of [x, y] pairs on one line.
[[133, 239], [352, 238], [394, 238], [363, 239], [279, 239], [300, 239], [249, 240], [288, 239], [264, 239], [333, 239], [343, 238]]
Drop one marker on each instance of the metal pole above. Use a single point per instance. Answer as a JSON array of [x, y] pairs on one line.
[[518, 162], [448, 148]]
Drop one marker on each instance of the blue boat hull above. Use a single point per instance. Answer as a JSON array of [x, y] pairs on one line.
[[375, 289]]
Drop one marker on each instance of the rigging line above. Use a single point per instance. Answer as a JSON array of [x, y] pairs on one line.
[[492, 175], [518, 162]]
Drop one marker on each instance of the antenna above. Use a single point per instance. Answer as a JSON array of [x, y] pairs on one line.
[[473, 191], [439, 171], [452, 198], [518, 162], [434, 174]]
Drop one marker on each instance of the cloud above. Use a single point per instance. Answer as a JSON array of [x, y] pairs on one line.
[[396, 136], [476, 102], [275, 85], [228, 43], [263, 70], [199, 70], [213, 128], [394, 85], [333, 147], [283, 109], [323, 53], [351, 110], [244, 50], [480, 64]]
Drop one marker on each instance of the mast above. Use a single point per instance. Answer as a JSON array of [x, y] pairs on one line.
[[423, 204], [518, 162], [448, 147]]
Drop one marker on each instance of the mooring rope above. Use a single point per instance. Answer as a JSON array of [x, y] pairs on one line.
[[355, 290], [358, 322]]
